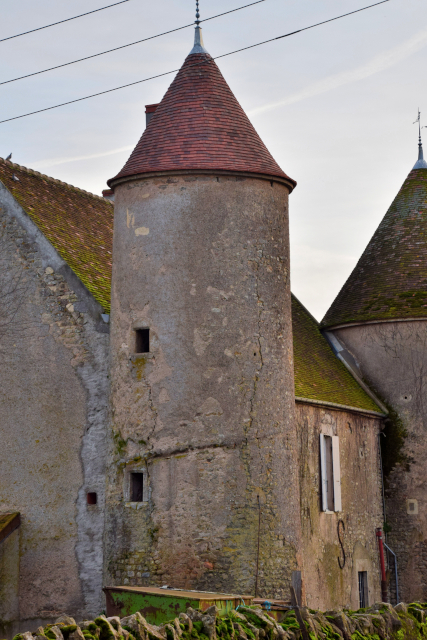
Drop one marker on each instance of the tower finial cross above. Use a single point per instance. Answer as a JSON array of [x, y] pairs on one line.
[[197, 13]]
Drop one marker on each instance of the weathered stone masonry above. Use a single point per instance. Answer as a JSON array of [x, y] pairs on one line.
[[392, 357], [53, 399], [327, 585], [203, 262]]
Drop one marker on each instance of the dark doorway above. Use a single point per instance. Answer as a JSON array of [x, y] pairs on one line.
[[363, 589], [136, 487]]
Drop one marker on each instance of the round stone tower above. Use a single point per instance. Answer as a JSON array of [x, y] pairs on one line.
[[380, 316], [203, 484]]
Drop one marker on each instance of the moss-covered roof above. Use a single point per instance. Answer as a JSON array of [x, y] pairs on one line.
[[390, 279], [77, 223], [319, 375]]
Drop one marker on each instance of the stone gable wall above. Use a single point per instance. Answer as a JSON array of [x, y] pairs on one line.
[[53, 403]]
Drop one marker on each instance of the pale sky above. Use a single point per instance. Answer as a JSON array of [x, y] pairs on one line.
[[334, 105]]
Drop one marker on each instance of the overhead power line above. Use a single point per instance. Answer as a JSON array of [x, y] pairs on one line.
[[53, 24], [286, 35], [292, 33], [95, 55]]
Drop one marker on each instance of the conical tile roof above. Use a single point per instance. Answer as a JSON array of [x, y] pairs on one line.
[[390, 279], [199, 125]]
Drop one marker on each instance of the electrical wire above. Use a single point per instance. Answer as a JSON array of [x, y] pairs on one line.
[[292, 33], [95, 55], [24, 33], [286, 35]]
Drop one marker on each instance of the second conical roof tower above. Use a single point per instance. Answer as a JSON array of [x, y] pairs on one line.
[[390, 279]]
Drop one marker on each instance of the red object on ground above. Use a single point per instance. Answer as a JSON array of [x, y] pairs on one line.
[[199, 125]]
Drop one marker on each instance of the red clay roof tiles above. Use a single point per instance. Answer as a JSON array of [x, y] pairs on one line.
[[199, 125]]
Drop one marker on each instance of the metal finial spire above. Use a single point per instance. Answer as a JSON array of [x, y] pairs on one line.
[[421, 163], [198, 38]]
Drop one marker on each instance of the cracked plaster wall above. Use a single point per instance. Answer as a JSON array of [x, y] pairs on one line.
[[208, 414], [327, 585], [393, 359], [53, 408]]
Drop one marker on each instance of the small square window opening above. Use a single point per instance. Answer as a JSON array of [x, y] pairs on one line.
[[142, 340], [136, 487], [92, 498]]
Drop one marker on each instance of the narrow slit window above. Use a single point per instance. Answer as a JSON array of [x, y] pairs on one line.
[[363, 589], [142, 340], [92, 498], [137, 487]]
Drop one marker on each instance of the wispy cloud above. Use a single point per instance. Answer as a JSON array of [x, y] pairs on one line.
[[379, 63], [51, 162]]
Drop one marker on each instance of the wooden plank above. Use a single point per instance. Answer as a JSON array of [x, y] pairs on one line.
[[304, 632], [297, 586], [323, 474], [8, 523], [182, 593]]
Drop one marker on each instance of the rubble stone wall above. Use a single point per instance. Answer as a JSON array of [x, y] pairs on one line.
[[379, 622], [208, 413], [327, 584]]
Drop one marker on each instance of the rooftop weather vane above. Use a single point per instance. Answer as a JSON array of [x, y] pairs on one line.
[[198, 38], [417, 120], [421, 163]]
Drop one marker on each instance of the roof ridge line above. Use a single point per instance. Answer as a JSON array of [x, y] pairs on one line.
[[307, 311], [335, 405], [44, 175]]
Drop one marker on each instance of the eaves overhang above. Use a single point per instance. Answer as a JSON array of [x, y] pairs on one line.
[[288, 182]]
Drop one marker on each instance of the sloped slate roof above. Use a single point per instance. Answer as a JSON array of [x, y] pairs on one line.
[[77, 223], [390, 279], [199, 125], [319, 375]]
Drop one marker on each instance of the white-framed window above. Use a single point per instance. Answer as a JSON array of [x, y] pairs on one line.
[[330, 473]]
